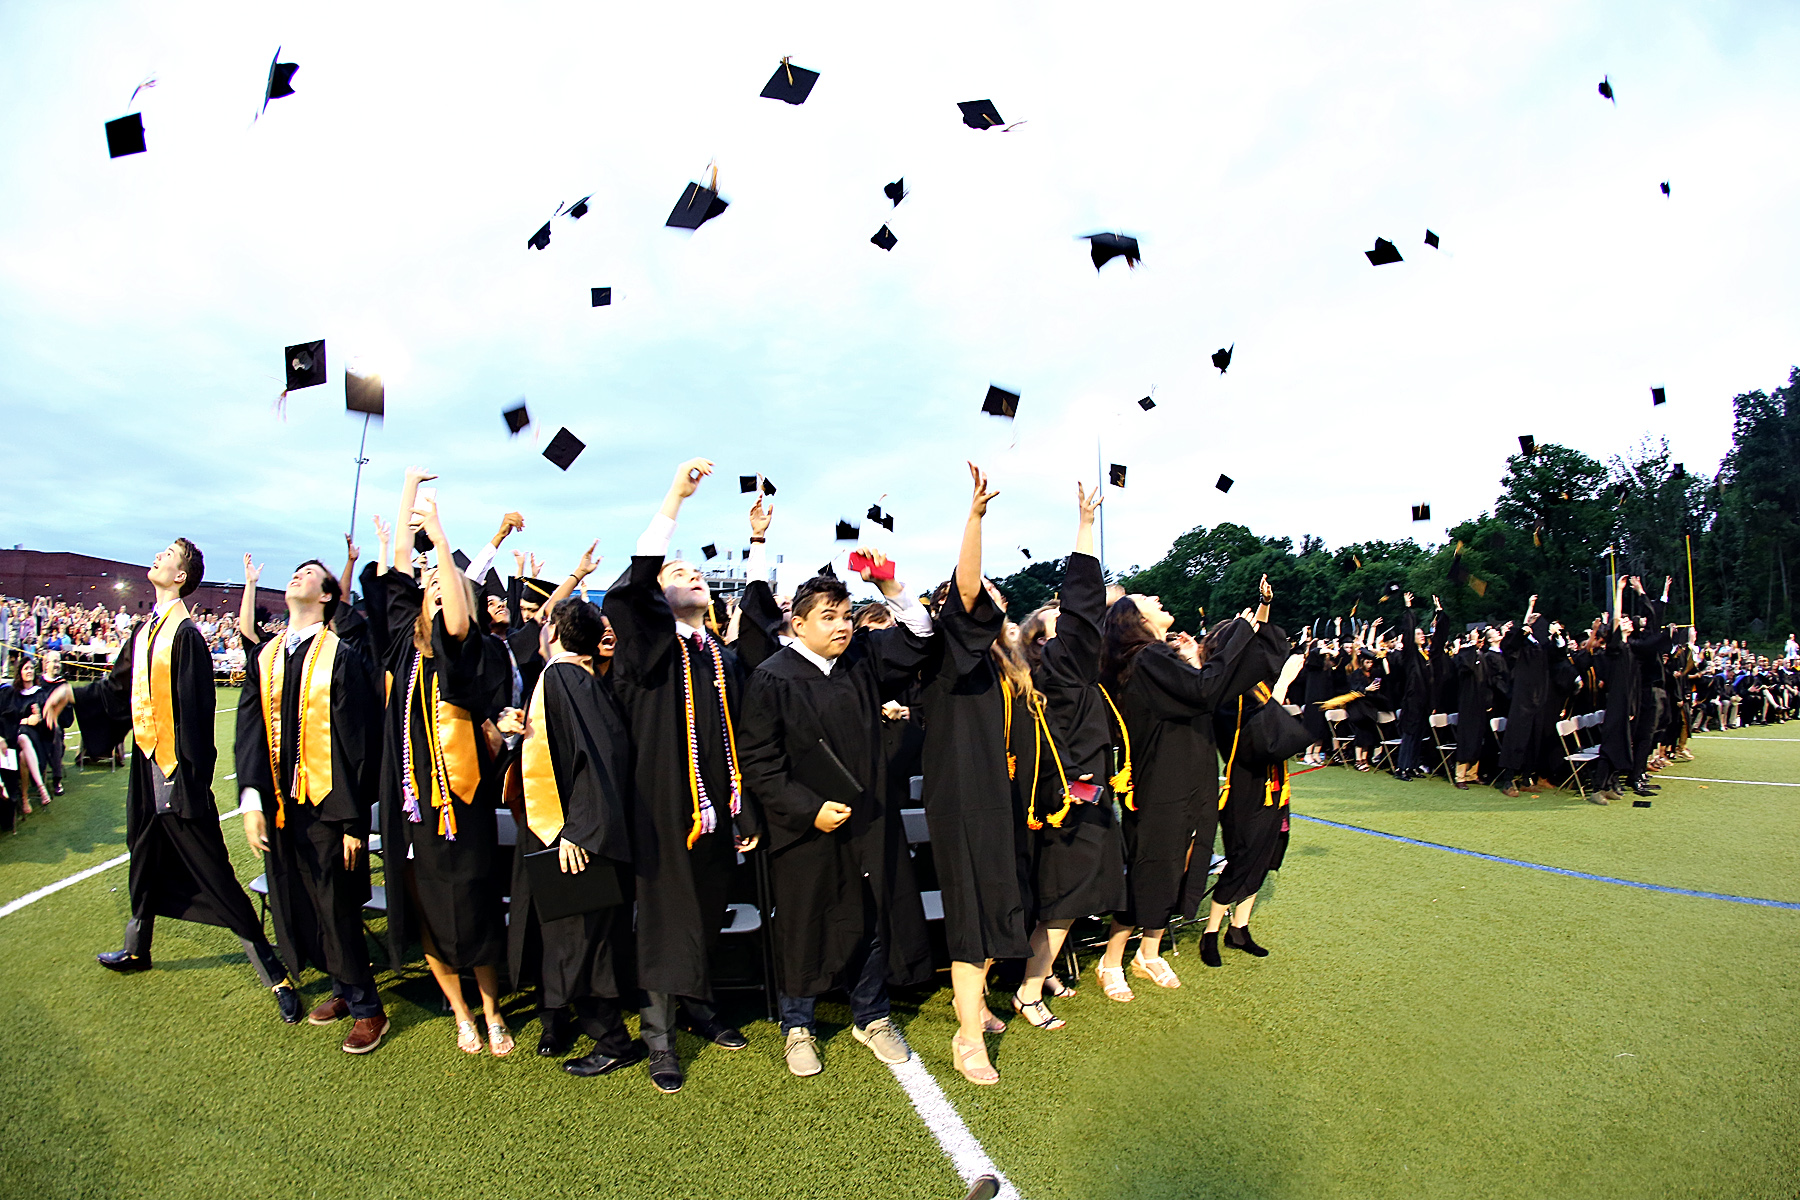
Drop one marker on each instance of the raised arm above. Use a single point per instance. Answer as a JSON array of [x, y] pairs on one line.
[[451, 592], [247, 609], [409, 501], [382, 534], [582, 570], [1089, 503], [352, 552], [968, 561]]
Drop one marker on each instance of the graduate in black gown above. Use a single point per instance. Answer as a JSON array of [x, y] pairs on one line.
[[1534, 654], [439, 842], [308, 753], [682, 691], [1619, 687], [28, 731], [160, 689], [576, 766], [1078, 867], [1415, 695], [1164, 696], [847, 908], [1474, 695]]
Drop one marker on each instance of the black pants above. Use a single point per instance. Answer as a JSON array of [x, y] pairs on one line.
[[657, 1019], [141, 929]]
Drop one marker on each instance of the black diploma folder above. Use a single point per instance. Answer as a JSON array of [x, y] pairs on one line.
[[558, 894], [822, 771]]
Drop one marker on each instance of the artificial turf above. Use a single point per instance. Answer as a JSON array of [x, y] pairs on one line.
[[1428, 1025]]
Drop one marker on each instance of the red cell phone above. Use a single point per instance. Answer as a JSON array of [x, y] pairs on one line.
[[861, 562], [1084, 793]]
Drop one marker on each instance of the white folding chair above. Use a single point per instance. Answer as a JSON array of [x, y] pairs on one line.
[[1385, 723], [1443, 725]]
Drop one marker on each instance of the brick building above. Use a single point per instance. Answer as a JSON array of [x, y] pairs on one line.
[[85, 580]]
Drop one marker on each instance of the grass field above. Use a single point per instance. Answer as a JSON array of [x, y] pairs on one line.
[[1428, 1025]]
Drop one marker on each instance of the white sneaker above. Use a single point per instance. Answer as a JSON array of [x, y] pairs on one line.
[[802, 1053], [885, 1040]]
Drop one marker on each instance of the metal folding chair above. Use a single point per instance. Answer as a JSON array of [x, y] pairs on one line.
[[1444, 725]]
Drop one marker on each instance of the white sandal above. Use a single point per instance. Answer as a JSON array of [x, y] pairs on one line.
[[1157, 970], [500, 1039], [468, 1039], [1112, 982]]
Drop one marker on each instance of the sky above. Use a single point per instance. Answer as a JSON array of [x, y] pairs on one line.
[[1254, 150]]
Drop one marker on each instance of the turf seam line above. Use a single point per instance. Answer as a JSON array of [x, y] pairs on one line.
[[51, 889], [959, 1145], [1750, 782], [1519, 862]]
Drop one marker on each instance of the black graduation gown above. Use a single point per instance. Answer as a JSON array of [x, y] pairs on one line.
[[1472, 695], [179, 865], [1316, 686], [1168, 834], [681, 893], [822, 908], [587, 954], [1253, 821], [969, 807], [316, 904], [1079, 867], [1415, 682], [527, 654], [453, 880], [1619, 674], [1531, 718]]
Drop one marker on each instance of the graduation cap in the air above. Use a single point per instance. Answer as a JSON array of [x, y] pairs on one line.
[[846, 532], [517, 418], [1384, 253], [125, 135], [1146, 404], [1115, 475], [884, 237], [1527, 445], [1665, 187], [579, 209], [281, 79], [1224, 483], [1620, 491], [1222, 358], [979, 114], [601, 297], [1421, 512], [1537, 532], [747, 484], [305, 365], [697, 206], [364, 394], [1606, 88], [1024, 551], [1458, 570], [1001, 403], [1657, 396], [896, 191], [540, 239], [1431, 239], [710, 550], [1680, 471], [564, 448], [790, 83], [885, 520], [1104, 247]]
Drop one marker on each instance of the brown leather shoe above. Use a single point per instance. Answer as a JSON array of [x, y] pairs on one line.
[[366, 1034], [334, 1009], [1510, 792]]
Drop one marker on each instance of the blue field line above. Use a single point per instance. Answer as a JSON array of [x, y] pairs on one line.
[[1519, 862]]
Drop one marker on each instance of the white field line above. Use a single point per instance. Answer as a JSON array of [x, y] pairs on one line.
[[50, 889], [959, 1145], [1704, 779], [1726, 737]]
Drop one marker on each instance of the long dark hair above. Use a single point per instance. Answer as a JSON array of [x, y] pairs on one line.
[[1123, 634]]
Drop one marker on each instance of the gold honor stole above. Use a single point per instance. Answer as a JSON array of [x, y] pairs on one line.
[[455, 764], [152, 688], [544, 813], [312, 757]]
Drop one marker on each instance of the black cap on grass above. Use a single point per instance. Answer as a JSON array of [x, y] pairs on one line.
[[846, 532], [1431, 239], [1001, 403], [281, 79], [1640, 804], [1527, 445], [1421, 512], [1606, 88], [710, 550], [697, 206], [1383, 253], [564, 448], [789, 83], [125, 135], [517, 418], [305, 365], [1225, 482], [1146, 404], [1115, 475], [980, 114], [896, 191], [1222, 358], [1657, 396], [884, 237], [1104, 247], [601, 297], [540, 239], [364, 394]]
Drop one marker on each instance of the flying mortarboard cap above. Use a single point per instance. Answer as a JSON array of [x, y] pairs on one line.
[[1657, 396], [790, 83], [564, 448], [1146, 404], [540, 239], [1665, 187], [979, 114], [460, 559], [1001, 403], [1680, 471], [1478, 585], [579, 209], [281, 79], [1104, 247], [517, 418], [825, 572], [710, 550], [1225, 482], [697, 206], [884, 237], [1527, 445], [364, 394], [1431, 239], [874, 513], [1458, 572], [1115, 475], [305, 365], [1606, 88], [1383, 253], [747, 484], [601, 297], [125, 135], [896, 191], [1024, 551], [1222, 358], [887, 522], [846, 532], [1421, 512]]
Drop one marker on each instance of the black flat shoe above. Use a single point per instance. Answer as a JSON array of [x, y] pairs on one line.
[[1238, 938], [665, 1071], [57, 790], [718, 1033], [556, 1038], [605, 1064], [123, 963], [1209, 950], [287, 999]]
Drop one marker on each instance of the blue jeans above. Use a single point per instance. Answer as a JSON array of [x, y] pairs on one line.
[[868, 995], [364, 1002]]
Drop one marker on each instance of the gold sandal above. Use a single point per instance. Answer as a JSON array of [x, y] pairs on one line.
[[961, 1051], [1157, 970]]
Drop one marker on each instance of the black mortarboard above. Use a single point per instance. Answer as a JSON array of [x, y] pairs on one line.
[[790, 83], [1383, 253], [601, 297], [364, 394], [896, 191], [579, 209], [1222, 358], [1001, 403], [825, 572], [846, 532], [1680, 471], [125, 135], [461, 560], [1225, 482], [281, 79], [1458, 572], [884, 237], [517, 418], [1115, 475], [305, 365], [1620, 491], [1665, 187], [710, 550], [421, 542], [1606, 88], [1527, 445], [874, 513], [887, 522], [980, 114], [1657, 396], [1025, 552], [491, 585], [1146, 404], [540, 239], [697, 206], [747, 484], [1421, 512], [1104, 247], [564, 448], [1431, 239], [1641, 803], [535, 591]]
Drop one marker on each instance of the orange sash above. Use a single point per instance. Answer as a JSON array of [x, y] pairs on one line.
[[312, 771], [152, 688], [544, 814]]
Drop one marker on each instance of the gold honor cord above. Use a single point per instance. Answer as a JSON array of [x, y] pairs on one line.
[[1122, 782], [152, 689], [312, 756], [1042, 733], [687, 678]]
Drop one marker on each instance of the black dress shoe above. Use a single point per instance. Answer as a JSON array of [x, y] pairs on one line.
[[1209, 950], [605, 1064], [123, 963], [556, 1038], [288, 1000], [718, 1033], [665, 1071], [1238, 938]]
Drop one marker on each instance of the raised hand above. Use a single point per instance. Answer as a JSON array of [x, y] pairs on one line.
[[761, 513], [510, 524], [427, 512], [874, 557], [417, 475], [978, 504], [519, 562], [351, 550], [588, 562], [1089, 502], [688, 476], [383, 531], [537, 565], [1264, 591], [251, 573], [1408, 597]]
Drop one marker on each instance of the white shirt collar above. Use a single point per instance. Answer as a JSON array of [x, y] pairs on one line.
[[684, 629], [824, 664], [296, 637]]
